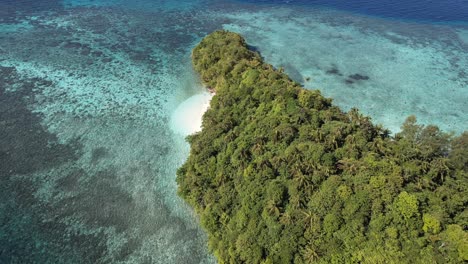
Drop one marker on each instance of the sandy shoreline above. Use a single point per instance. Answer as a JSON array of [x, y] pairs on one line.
[[187, 118]]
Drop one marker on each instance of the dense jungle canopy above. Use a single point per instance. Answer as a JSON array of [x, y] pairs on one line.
[[281, 175]]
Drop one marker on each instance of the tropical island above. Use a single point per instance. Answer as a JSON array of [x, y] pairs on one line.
[[279, 174]]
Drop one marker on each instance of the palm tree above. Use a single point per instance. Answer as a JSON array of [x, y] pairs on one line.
[[355, 116], [337, 135], [439, 168], [272, 208], [295, 201], [310, 219], [349, 165], [327, 170], [381, 131], [220, 179], [332, 140], [318, 136], [425, 166], [302, 179], [264, 163], [257, 149], [379, 145], [286, 219], [351, 140], [310, 254]]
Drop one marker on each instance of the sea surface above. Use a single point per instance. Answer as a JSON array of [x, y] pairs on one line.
[[87, 89]]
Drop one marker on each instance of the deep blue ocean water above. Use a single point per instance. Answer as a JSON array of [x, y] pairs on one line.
[[431, 11], [89, 88]]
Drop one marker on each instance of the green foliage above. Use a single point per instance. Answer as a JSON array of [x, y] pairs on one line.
[[280, 175], [407, 205], [431, 224], [456, 239]]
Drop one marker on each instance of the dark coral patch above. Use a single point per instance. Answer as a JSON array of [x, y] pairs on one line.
[[358, 77], [334, 71], [24, 140]]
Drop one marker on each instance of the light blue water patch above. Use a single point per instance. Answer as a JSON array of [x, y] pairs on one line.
[[383, 68], [463, 35], [12, 28]]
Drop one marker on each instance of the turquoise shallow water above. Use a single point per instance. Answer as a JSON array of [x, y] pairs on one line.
[[87, 90]]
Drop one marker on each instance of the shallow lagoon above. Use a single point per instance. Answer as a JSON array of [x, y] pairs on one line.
[[88, 88]]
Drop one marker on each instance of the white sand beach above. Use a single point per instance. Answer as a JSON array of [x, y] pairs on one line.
[[187, 118]]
